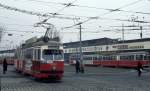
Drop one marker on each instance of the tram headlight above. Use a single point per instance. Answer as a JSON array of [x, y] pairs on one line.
[[54, 68]]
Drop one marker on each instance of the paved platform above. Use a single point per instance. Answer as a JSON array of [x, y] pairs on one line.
[[94, 79]]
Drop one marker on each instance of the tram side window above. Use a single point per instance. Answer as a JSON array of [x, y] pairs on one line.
[[147, 57], [131, 57], [35, 54], [139, 57], [39, 54], [100, 58], [18, 54], [122, 57], [109, 57], [105, 58], [94, 57], [73, 58], [28, 54], [127, 57], [113, 57], [86, 58]]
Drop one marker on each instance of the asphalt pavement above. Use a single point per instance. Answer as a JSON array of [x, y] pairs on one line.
[[94, 79]]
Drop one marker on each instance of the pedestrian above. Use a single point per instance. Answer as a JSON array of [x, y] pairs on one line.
[[4, 66], [77, 66], [82, 68], [139, 68]]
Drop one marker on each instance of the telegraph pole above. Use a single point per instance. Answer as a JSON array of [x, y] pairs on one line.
[[81, 56]]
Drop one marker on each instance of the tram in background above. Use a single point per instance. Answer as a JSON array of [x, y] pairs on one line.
[[10, 60], [128, 59], [117, 54], [42, 60], [9, 55]]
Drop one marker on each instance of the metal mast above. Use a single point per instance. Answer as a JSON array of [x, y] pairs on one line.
[[81, 56], [123, 33], [141, 34]]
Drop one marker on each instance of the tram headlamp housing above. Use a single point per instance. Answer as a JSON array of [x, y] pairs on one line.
[[54, 68]]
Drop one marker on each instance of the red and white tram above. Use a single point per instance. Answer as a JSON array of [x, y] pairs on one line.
[[40, 59], [117, 60], [119, 54]]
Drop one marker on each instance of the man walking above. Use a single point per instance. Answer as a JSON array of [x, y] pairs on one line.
[[139, 68], [77, 66], [4, 66]]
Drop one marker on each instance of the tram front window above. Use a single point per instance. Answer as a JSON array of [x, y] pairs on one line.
[[58, 56], [52, 55], [47, 55]]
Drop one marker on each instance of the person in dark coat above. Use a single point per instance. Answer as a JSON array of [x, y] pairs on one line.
[[4, 66], [139, 68], [77, 66]]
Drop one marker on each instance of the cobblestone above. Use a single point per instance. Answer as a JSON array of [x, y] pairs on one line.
[[94, 79]]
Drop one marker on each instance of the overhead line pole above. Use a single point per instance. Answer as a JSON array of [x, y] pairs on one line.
[[141, 34], [123, 33], [81, 56]]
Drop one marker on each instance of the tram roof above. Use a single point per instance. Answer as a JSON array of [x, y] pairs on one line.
[[34, 41], [41, 43]]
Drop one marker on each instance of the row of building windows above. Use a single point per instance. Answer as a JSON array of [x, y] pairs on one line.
[[84, 49], [102, 48]]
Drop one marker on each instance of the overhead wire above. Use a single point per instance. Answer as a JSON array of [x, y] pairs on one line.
[[57, 13], [130, 4], [35, 13], [67, 5], [45, 2], [89, 18], [102, 14], [32, 13], [92, 7], [13, 24]]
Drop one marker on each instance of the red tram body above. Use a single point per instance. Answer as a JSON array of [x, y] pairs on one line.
[[113, 61], [41, 60]]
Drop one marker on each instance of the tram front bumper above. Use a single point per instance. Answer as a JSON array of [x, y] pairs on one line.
[[50, 74]]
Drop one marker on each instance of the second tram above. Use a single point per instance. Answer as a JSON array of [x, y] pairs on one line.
[[114, 60]]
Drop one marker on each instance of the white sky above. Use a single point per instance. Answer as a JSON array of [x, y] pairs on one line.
[[94, 28]]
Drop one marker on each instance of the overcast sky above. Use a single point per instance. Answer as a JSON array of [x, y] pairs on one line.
[[21, 25]]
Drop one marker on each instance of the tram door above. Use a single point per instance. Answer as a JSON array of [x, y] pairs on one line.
[[37, 55], [28, 55], [36, 59]]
